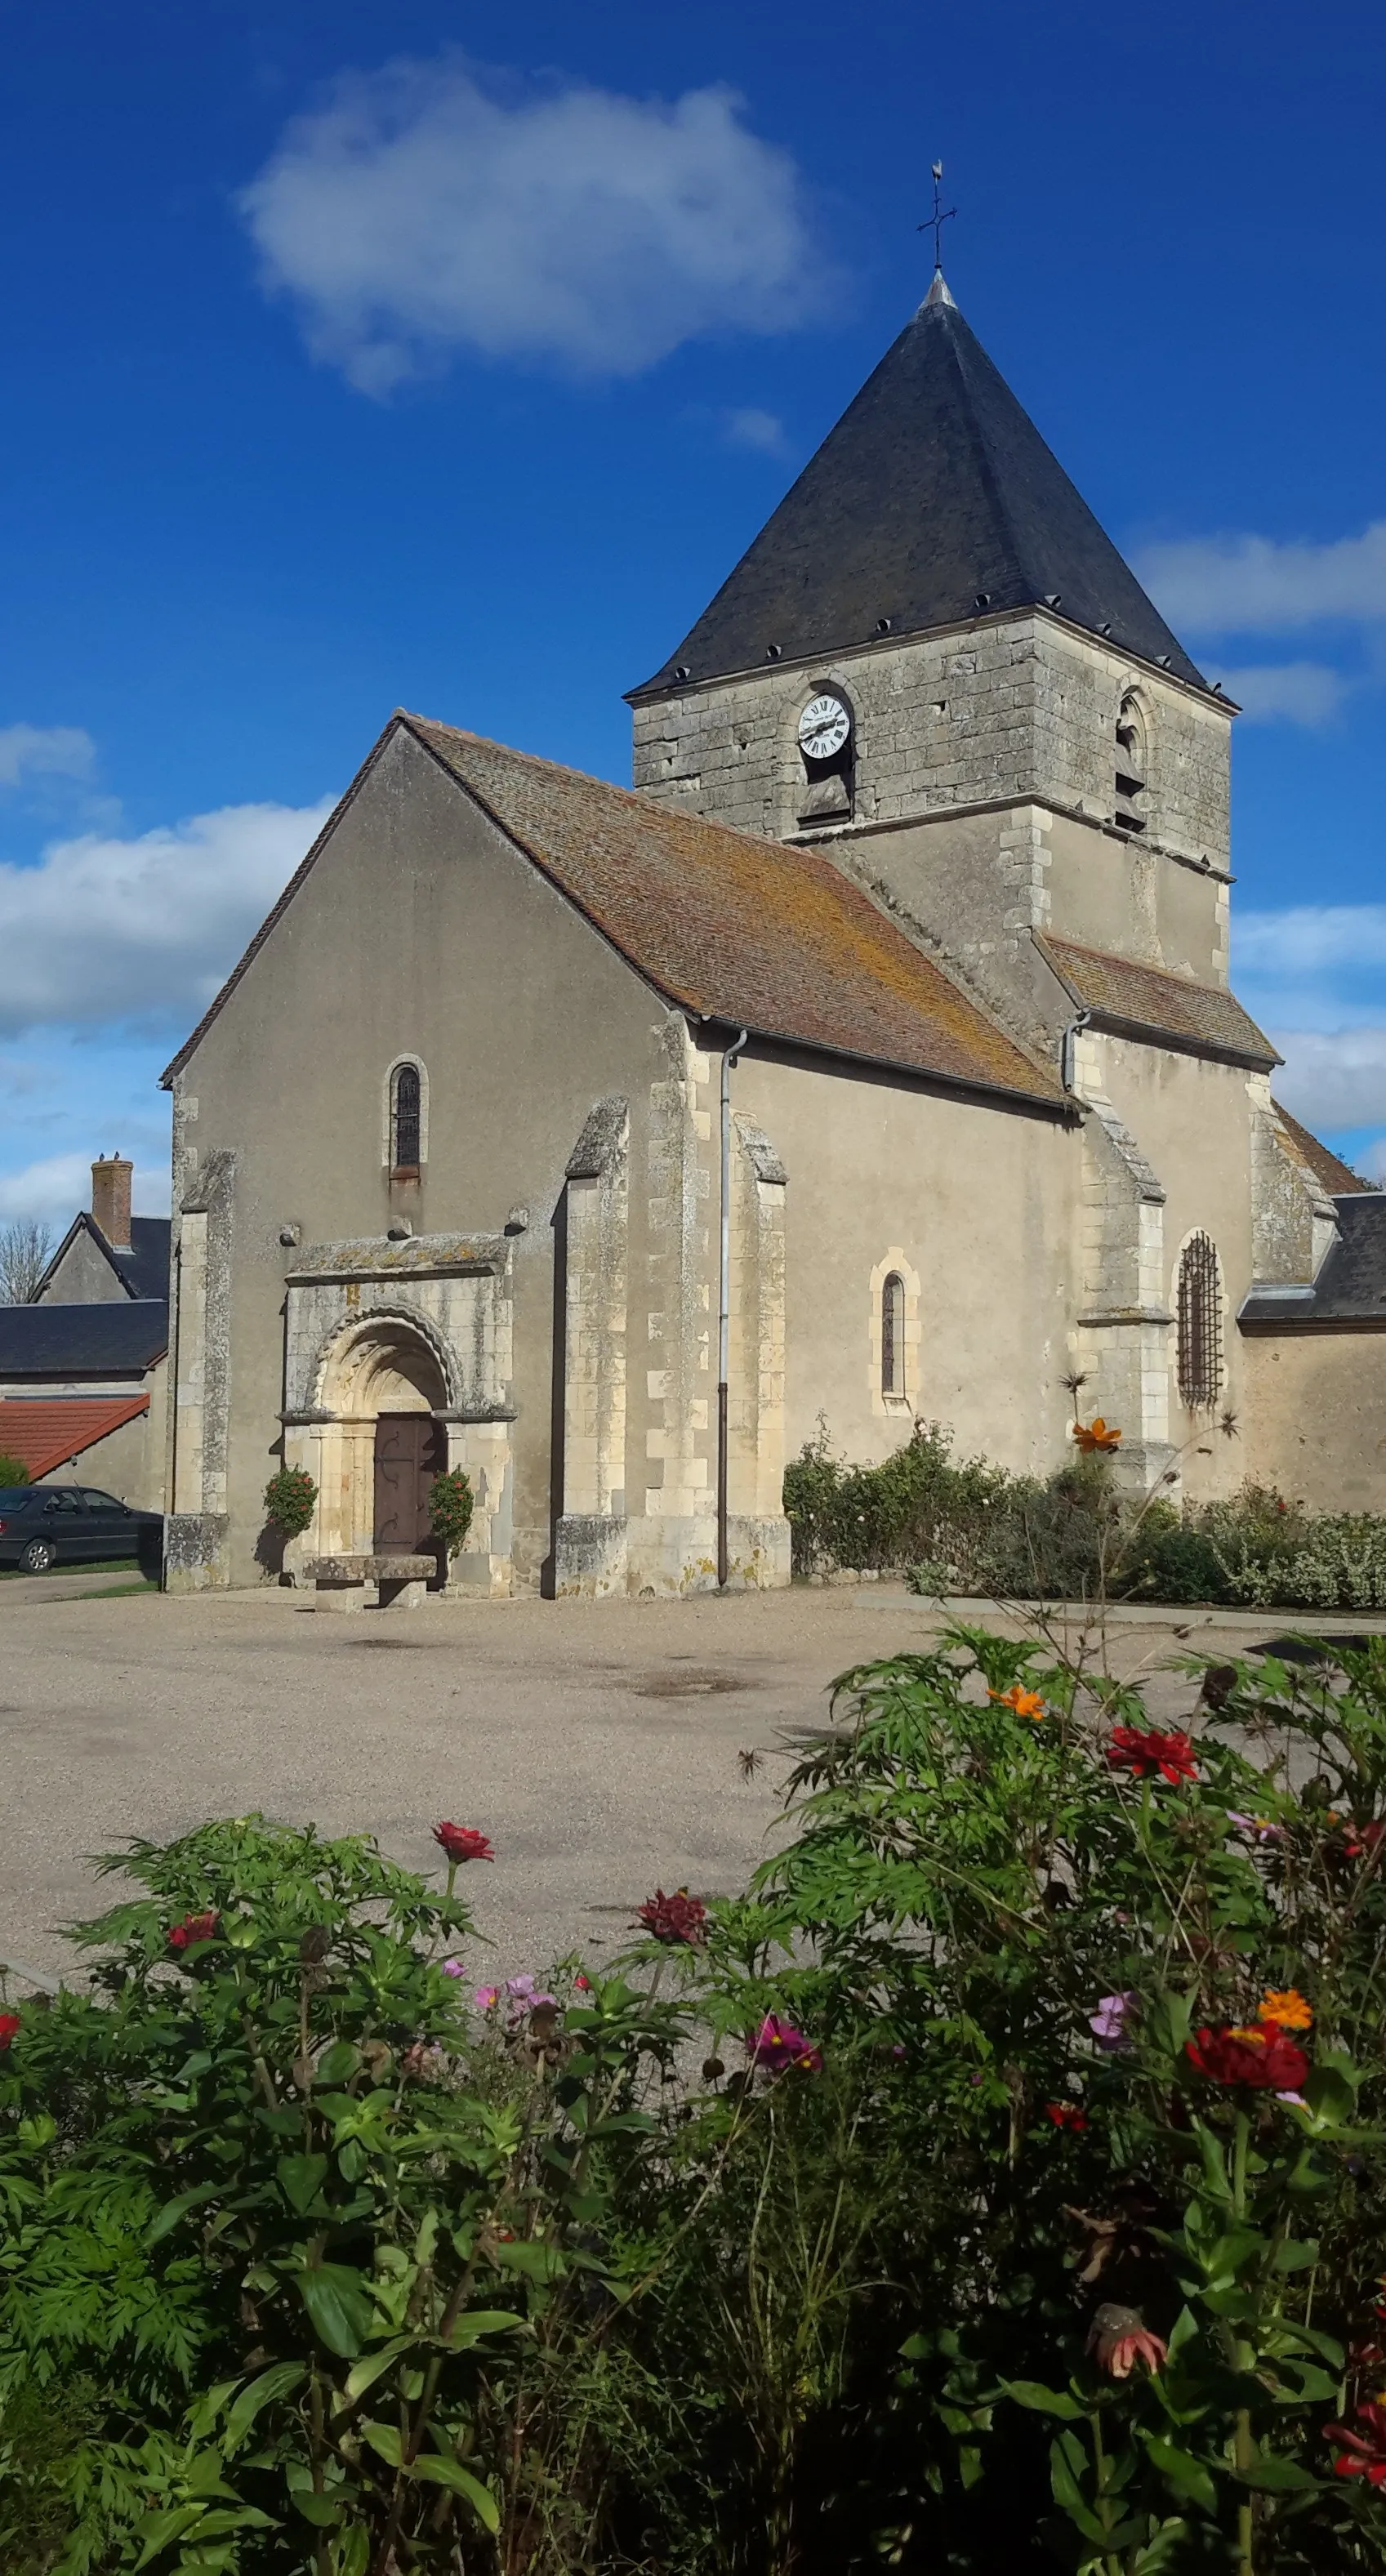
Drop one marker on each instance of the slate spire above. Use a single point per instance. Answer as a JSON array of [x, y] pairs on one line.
[[934, 500]]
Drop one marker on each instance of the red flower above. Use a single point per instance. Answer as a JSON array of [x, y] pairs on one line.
[[463, 1842], [1065, 2115], [679, 1917], [1363, 2454], [195, 1927], [1360, 1841], [9, 2028], [1147, 1749], [1256, 2055], [583, 1985]]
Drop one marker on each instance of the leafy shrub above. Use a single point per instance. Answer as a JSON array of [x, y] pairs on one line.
[[450, 1509], [974, 1528], [12, 1470], [291, 1500]]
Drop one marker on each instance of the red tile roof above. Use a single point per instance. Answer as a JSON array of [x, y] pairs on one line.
[[46, 1430], [724, 924], [1328, 1168], [738, 928], [1204, 1019]]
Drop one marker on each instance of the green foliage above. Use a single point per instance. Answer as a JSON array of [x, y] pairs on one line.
[[279, 2281], [973, 1528], [290, 1500], [12, 1470], [450, 1509], [974, 1868]]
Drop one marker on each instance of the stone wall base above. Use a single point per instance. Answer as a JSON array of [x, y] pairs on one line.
[[197, 1552], [665, 1559]]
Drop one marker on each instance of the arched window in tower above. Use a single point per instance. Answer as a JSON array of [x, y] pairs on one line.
[[893, 1335], [827, 749], [1130, 764], [1199, 1311], [405, 1118]]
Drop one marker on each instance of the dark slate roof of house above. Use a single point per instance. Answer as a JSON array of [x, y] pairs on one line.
[[45, 1431], [739, 929], [1328, 1168], [933, 500], [1349, 1294], [142, 1268], [1147, 1002], [82, 1341]]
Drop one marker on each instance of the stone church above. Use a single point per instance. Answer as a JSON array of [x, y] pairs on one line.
[[872, 1059]]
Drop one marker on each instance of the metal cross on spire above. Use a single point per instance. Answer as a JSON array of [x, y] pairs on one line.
[[935, 222]]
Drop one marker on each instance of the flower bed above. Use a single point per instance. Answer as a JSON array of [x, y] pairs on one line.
[[999, 2182]]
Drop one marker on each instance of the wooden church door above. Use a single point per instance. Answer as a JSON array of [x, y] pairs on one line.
[[408, 1455]]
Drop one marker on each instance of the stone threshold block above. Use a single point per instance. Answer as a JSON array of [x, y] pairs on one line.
[[340, 1582]]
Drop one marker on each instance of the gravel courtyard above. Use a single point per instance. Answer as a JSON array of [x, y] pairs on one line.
[[596, 1744]]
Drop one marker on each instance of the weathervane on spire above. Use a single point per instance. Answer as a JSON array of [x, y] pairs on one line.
[[935, 222]]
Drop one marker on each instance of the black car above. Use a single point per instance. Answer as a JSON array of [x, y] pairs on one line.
[[43, 1525]]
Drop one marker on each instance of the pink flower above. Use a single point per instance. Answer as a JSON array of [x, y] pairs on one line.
[[778, 2046], [454, 1967], [1120, 2338], [1108, 2023], [486, 1998]]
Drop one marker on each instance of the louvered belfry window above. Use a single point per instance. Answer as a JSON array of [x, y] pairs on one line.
[[404, 1119], [1200, 1323], [893, 1335]]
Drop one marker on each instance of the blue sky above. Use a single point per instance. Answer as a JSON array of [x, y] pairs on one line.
[[448, 357]]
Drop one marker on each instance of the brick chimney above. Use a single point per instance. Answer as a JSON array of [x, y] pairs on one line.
[[111, 1177]]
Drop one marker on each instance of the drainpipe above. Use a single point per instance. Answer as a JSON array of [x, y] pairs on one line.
[[1066, 1058], [729, 1056]]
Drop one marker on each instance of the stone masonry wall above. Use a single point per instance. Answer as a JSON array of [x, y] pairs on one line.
[[1008, 708]]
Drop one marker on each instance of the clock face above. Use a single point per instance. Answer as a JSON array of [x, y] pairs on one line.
[[823, 728]]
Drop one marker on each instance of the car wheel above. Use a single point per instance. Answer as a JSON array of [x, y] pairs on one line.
[[38, 1556]]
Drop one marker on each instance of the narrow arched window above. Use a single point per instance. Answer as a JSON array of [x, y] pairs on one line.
[[404, 1118], [1200, 1323], [893, 1335], [1130, 765]]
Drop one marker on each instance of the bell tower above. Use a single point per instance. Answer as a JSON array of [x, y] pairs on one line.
[[933, 665]]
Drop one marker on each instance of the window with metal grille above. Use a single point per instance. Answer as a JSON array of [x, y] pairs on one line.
[[1200, 1322], [893, 1335], [404, 1118]]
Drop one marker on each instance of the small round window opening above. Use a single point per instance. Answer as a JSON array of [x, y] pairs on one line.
[[893, 1335], [1199, 1307], [405, 1104]]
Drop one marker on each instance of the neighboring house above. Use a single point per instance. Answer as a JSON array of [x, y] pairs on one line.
[[82, 1366], [873, 1060]]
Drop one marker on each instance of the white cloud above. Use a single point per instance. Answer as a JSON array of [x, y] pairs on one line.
[[1243, 585], [1303, 693], [44, 751], [761, 430], [1310, 936], [415, 213], [105, 930], [1372, 1164], [1333, 1078]]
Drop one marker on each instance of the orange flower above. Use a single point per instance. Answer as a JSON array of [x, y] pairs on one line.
[[1095, 1435], [1025, 1703], [1288, 2009]]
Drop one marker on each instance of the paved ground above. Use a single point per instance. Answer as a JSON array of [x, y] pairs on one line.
[[596, 1743]]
